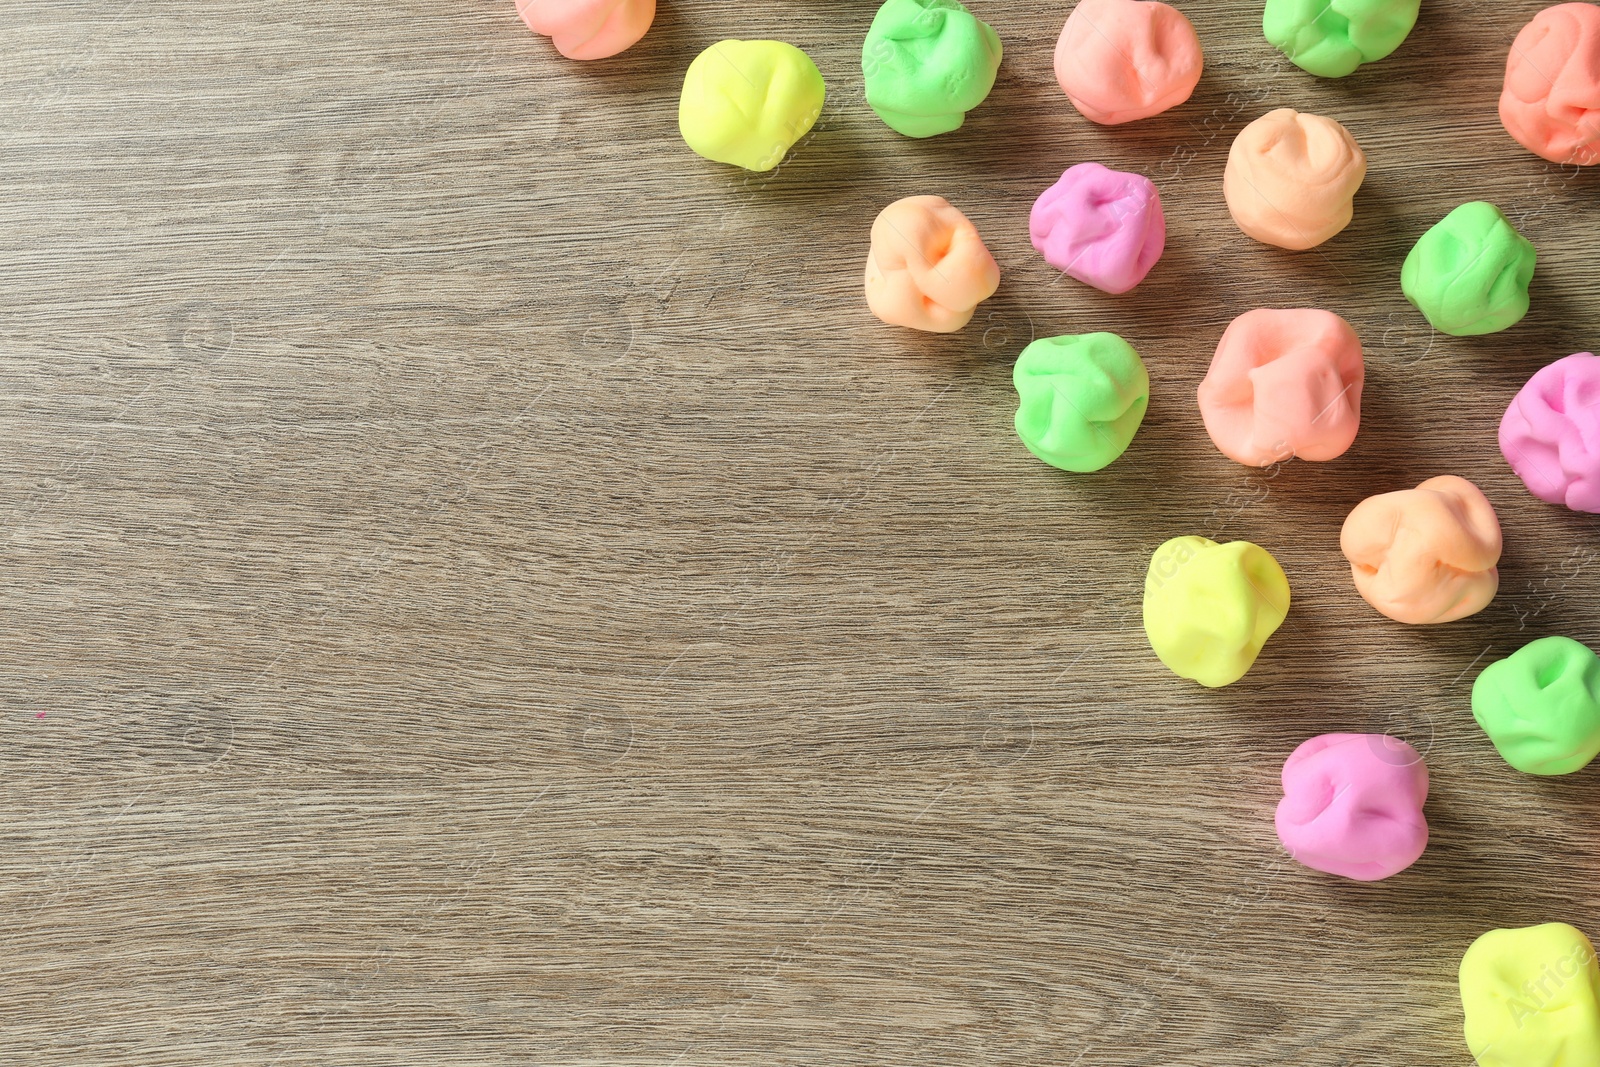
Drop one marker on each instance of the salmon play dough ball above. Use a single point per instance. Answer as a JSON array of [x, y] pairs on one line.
[[1352, 805], [1285, 382], [1209, 608], [1291, 178], [1551, 100], [928, 268], [1541, 706], [1551, 433], [1121, 60], [927, 63], [1469, 274], [1081, 399], [1331, 38], [1427, 554], [589, 29], [747, 102], [1103, 227], [1531, 998]]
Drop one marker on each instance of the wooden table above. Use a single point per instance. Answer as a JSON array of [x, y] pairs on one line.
[[481, 589]]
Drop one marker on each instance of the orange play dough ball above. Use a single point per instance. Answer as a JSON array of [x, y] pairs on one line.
[[589, 29], [1285, 382], [1427, 554], [928, 268], [1291, 177], [1120, 60], [1551, 100]]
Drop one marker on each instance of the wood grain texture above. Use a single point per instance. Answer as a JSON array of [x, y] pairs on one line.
[[480, 588]]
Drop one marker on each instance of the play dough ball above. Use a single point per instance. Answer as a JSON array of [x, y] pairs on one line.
[[927, 63], [1352, 805], [1284, 382], [1121, 60], [1551, 100], [589, 29], [1291, 178], [1532, 998], [1551, 433], [748, 102], [1427, 554], [1208, 608], [1541, 706], [1103, 227], [928, 268], [1081, 399], [1469, 274], [1331, 38]]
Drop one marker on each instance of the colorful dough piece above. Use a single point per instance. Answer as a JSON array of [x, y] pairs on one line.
[[1208, 608], [1331, 38], [927, 63], [1551, 100], [1532, 997], [1469, 274], [1551, 433], [1103, 227], [1121, 60], [1285, 382], [589, 29], [1081, 399], [928, 269], [1352, 805], [747, 102], [1427, 554], [1541, 706], [1291, 178]]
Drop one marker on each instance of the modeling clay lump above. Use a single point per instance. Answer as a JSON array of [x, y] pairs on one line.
[[746, 103], [1209, 608], [926, 64], [1122, 60], [927, 268], [1081, 399]]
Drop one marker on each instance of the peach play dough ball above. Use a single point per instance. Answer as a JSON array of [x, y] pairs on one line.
[[589, 29], [1427, 554], [1291, 177], [1551, 100], [1352, 805], [1121, 60], [928, 268], [1285, 382]]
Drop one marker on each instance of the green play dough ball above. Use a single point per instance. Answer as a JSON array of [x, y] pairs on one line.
[[1331, 38], [927, 63], [1541, 706], [1470, 273], [1082, 399]]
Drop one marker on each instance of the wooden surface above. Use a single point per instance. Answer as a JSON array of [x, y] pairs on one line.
[[479, 588]]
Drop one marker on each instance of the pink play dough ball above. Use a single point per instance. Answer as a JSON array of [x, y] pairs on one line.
[[1285, 382], [1352, 805], [1551, 433], [1103, 227], [589, 29], [1123, 60]]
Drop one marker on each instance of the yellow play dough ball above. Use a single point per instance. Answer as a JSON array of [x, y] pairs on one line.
[[748, 102], [1208, 608], [1532, 996]]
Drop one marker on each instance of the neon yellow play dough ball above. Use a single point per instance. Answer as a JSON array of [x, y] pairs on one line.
[[1208, 608], [748, 102], [1532, 996]]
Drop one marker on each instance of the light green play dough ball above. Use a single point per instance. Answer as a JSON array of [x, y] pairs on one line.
[[1470, 273], [1082, 399], [1541, 706], [927, 63], [1331, 38]]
